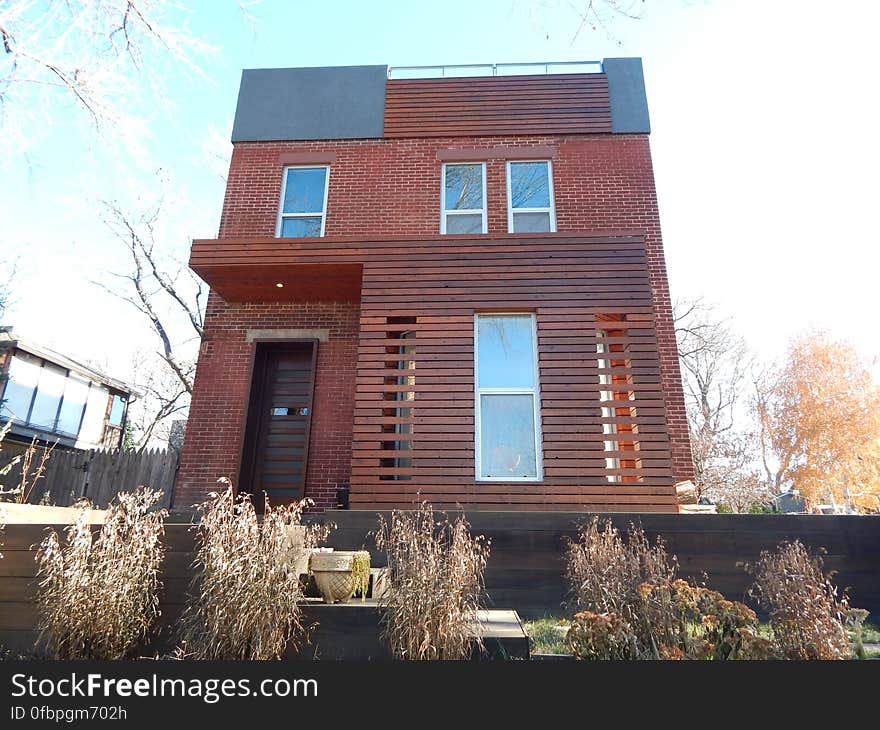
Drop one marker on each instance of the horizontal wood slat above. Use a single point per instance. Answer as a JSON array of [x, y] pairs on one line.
[[555, 104], [603, 418]]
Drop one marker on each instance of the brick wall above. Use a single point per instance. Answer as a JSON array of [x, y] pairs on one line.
[[386, 187], [220, 399]]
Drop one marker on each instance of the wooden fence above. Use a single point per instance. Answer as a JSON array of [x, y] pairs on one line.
[[97, 475]]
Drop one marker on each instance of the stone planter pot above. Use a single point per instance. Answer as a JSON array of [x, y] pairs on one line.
[[333, 576]]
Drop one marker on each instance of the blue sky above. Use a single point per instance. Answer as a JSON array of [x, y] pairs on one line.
[[764, 141]]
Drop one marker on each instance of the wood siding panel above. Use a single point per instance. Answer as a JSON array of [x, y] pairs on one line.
[[560, 104], [413, 431]]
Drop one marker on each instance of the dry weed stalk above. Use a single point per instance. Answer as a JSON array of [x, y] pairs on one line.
[[808, 619], [244, 598], [28, 479], [436, 585], [99, 597], [604, 571]]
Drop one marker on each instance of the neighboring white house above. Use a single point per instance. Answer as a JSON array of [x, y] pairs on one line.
[[57, 400]]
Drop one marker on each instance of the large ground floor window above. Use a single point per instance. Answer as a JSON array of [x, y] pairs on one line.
[[508, 423]]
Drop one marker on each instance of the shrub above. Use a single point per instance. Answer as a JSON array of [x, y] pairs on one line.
[[635, 608], [435, 585], [680, 620], [243, 602], [98, 597], [602, 636], [808, 619]]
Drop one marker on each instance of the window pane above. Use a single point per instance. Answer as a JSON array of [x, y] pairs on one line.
[[76, 393], [301, 228], [507, 436], [117, 408], [464, 187], [23, 377], [464, 223], [531, 222], [92, 429], [506, 352], [49, 391], [304, 192], [529, 185]]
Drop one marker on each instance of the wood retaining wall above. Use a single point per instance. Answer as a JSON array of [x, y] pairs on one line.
[[526, 564]]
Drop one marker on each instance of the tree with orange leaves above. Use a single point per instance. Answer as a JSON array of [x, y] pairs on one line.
[[820, 424]]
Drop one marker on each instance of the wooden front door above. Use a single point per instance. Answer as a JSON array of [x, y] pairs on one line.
[[277, 438]]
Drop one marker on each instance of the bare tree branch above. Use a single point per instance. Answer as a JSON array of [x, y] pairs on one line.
[[714, 363], [169, 303]]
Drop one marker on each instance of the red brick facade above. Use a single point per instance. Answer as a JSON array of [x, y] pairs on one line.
[[390, 187], [219, 408]]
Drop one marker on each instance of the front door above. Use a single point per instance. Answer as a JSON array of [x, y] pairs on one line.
[[276, 443]]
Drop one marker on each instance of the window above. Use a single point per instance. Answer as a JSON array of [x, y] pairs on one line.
[[463, 199], [530, 197], [76, 393], [44, 412], [44, 396], [508, 433], [303, 202], [117, 410], [24, 374]]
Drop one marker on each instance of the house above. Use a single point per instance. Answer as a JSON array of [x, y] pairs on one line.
[[56, 400], [790, 502], [430, 287]]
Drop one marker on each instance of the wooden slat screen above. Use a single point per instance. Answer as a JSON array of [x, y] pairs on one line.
[[463, 107], [413, 432]]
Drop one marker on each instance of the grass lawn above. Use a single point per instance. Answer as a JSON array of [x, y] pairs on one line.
[[871, 633], [547, 635]]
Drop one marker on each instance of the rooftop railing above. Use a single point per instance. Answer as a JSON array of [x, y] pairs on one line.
[[494, 69]]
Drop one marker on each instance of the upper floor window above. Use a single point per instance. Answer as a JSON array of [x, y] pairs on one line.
[[463, 202], [508, 430], [530, 206], [303, 202]]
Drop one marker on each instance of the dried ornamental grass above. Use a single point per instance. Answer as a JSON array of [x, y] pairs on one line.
[[604, 571], [244, 598], [98, 598], [808, 619], [436, 585], [635, 608]]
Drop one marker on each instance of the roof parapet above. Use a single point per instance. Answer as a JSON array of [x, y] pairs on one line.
[[626, 92]]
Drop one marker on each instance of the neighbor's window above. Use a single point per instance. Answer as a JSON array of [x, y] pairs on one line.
[[303, 202], [24, 374], [76, 394], [508, 434], [44, 411], [463, 203], [530, 197], [43, 395], [117, 410]]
